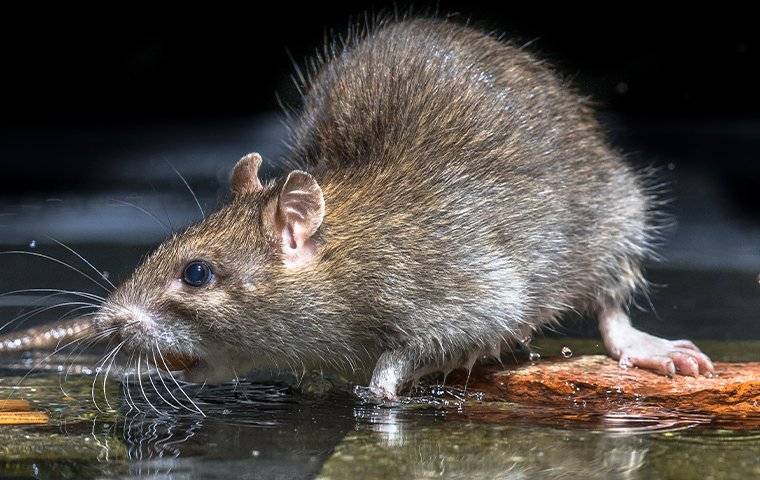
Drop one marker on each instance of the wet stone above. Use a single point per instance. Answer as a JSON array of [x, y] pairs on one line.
[[597, 383]]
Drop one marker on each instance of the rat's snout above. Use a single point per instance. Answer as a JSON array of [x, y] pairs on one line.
[[126, 322], [140, 329]]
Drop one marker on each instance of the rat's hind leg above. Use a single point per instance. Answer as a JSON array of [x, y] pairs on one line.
[[634, 348]]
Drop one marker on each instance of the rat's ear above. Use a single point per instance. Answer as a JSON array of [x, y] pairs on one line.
[[300, 211], [245, 175]]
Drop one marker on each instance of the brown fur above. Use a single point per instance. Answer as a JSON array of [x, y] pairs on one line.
[[470, 196]]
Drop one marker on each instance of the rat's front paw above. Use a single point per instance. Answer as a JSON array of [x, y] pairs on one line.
[[666, 357], [376, 395]]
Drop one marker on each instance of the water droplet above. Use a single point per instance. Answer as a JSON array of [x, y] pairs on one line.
[[33, 244], [106, 274], [621, 88], [534, 356], [566, 352], [671, 166], [255, 453]]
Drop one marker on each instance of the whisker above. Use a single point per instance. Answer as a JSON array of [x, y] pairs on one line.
[[56, 290], [25, 316], [48, 335], [84, 260], [150, 378], [98, 368], [47, 357], [171, 375], [146, 212], [142, 389], [126, 386], [60, 262], [108, 370], [195, 197], [92, 339], [161, 377], [41, 310]]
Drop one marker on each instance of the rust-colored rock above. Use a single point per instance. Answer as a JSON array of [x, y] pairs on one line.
[[13, 405], [23, 418], [595, 384], [19, 412]]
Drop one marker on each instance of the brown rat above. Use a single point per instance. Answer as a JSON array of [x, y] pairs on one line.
[[459, 196]]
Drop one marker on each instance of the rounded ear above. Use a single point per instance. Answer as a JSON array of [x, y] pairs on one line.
[[300, 211], [245, 175]]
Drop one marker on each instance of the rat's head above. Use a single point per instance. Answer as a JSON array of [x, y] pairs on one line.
[[212, 298]]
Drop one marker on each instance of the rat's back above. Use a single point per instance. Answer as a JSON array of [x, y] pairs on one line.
[[482, 155]]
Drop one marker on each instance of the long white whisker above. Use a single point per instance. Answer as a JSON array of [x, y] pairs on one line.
[[56, 290], [161, 377], [25, 316], [108, 370], [60, 262], [84, 260], [47, 357], [98, 368], [171, 375], [195, 197], [129, 394], [146, 212], [150, 378], [93, 337], [142, 389]]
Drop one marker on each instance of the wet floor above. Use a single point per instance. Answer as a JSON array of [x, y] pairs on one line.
[[283, 431]]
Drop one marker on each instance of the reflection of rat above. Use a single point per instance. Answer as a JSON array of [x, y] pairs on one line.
[[459, 197]]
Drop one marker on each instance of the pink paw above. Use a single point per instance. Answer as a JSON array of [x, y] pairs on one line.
[[666, 357]]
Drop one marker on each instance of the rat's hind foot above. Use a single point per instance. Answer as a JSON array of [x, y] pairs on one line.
[[634, 348]]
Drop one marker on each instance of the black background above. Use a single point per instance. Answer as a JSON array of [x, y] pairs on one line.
[[76, 68], [129, 63]]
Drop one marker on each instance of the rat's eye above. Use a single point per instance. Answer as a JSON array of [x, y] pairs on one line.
[[197, 274]]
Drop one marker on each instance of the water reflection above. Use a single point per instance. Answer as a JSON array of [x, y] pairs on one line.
[[272, 430], [392, 443]]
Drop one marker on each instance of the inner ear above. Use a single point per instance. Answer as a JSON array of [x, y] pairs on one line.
[[245, 175], [300, 211]]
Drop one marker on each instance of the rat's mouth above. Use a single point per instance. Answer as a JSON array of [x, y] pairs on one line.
[[175, 361]]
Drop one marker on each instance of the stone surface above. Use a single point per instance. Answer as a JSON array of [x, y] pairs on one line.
[[596, 383]]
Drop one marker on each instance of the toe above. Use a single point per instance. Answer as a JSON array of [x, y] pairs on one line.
[[685, 363], [706, 366], [661, 364], [703, 361]]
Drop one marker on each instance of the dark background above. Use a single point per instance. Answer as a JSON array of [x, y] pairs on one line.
[[130, 65], [133, 64], [101, 104]]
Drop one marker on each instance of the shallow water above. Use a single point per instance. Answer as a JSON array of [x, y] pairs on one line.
[[276, 431]]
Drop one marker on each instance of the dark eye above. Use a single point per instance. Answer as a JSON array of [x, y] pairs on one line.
[[197, 274]]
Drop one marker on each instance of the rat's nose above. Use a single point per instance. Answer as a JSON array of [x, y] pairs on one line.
[[123, 319]]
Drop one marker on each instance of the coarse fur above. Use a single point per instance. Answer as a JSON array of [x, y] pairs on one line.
[[469, 197]]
